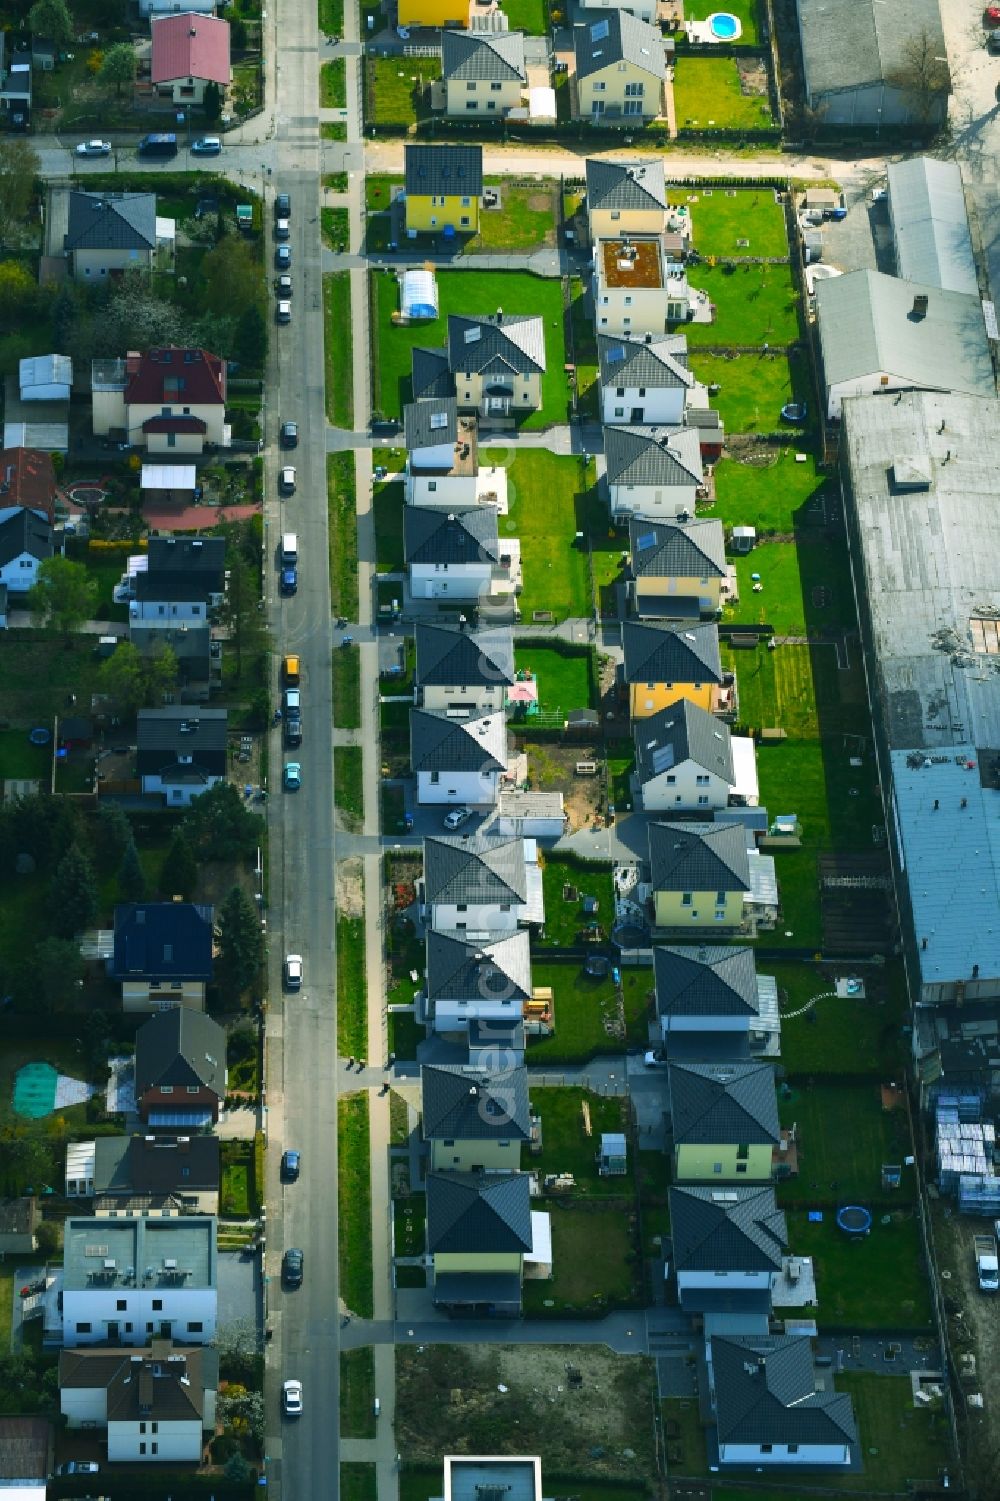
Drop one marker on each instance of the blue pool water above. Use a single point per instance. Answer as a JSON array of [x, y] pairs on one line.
[[724, 26]]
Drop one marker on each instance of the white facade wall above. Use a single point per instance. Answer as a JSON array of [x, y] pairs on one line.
[[84, 1406], [454, 1016], [482, 698], [465, 581], [181, 1308], [649, 406], [734, 1024], [20, 573], [178, 796], [478, 788], [875, 384], [168, 613], [488, 918], [687, 787], [779, 1454], [172, 1441], [453, 491], [730, 1282], [630, 310], [658, 504]]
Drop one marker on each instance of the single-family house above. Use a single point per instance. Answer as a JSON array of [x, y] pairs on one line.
[[770, 1408], [168, 401], [430, 433], [683, 760], [676, 568], [110, 233], [724, 1121], [666, 662], [4, 606], [467, 1477], [181, 752], [479, 1229], [728, 1247], [700, 874], [197, 652], [180, 1070], [930, 224], [620, 68], [459, 555], [27, 482], [483, 71], [878, 334], [497, 362], [652, 471], [148, 8], [443, 184], [157, 1175], [162, 954], [637, 290], [626, 198], [712, 1004], [157, 1406], [130, 1280], [474, 1120], [188, 53], [458, 761], [481, 886], [644, 379], [19, 1222], [15, 83], [867, 65], [203, 558], [485, 981], [26, 540], [430, 373], [462, 671]]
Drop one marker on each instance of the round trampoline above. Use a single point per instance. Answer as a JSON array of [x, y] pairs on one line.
[[35, 1090], [40, 735], [854, 1219], [630, 935]]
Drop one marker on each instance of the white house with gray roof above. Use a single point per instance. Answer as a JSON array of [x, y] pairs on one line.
[[930, 225], [626, 198], [683, 760], [463, 671], [878, 333], [430, 430], [770, 1408], [458, 761], [481, 886], [459, 555], [132, 1280], [484, 72], [497, 360], [652, 471], [676, 568], [861, 62], [476, 980], [712, 1003], [620, 67], [730, 1242], [109, 233], [644, 379]]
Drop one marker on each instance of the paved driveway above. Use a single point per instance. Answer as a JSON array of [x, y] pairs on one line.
[[240, 1289]]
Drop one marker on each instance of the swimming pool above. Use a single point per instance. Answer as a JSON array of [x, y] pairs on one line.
[[724, 26]]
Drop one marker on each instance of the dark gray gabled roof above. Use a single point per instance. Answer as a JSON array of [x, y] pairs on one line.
[[179, 554], [439, 743], [639, 185], [180, 1047], [677, 549], [497, 343], [128, 1165], [478, 1213], [24, 532], [448, 657], [682, 732], [723, 1102], [618, 37], [699, 857], [111, 221], [430, 374], [656, 362], [490, 56], [430, 421], [443, 170], [765, 1393], [710, 981], [459, 969], [172, 586], [662, 456], [727, 1229], [161, 738], [656, 652], [462, 1103], [467, 534], [162, 941], [477, 872]]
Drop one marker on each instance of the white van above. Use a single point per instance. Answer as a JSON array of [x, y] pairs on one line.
[[289, 547]]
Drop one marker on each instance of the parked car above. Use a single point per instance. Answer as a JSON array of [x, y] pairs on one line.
[[291, 1165], [289, 435], [292, 1267], [282, 229], [283, 257], [79, 1467], [206, 146], [293, 776], [94, 148], [290, 668], [291, 1399], [290, 579], [284, 311], [282, 206], [293, 731], [283, 285], [293, 971], [291, 702], [456, 818], [286, 480]]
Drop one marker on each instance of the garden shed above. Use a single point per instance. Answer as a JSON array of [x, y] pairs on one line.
[[419, 296]]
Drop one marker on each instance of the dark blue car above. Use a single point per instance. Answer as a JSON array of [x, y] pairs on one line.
[[289, 580]]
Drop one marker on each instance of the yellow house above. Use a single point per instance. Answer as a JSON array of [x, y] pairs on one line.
[[168, 400], [433, 13], [724, 1121], [474, 1119], [444, 186], [666, 662], [677, 567], [626, 198], [620, 68], [700, 874], [497, 363], [484, 73], [479, 1229]]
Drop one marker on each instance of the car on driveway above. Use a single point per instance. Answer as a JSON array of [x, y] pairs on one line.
[[286, 480], [292, 1267], [293, 971], [206, 146], [291, 1399], [283, 257], [94, 148], [291, 1165], [456, 818], [289, 435], [290, 579], [293, 776]]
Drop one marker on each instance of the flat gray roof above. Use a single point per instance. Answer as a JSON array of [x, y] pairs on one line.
[[514, 1479], [140, 1249], [930, 224]]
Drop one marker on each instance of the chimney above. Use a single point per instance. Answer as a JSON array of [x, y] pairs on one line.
[[499, 314], [920, 305]]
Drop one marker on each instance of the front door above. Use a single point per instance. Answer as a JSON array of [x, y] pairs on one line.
[[637, 414]]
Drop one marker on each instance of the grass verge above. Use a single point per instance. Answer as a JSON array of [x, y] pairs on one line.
[[352, 988], [335, 225], [355, 1201], [358, 1482], [347, 690], [349, 793], [342, 524], [357, 1393], [333, 84], [337, 350]]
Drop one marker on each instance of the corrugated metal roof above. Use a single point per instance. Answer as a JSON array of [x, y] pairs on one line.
[[930, 224], [847, 43]]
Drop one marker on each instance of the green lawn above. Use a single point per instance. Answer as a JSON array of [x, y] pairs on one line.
[[405, 1032], [331, 16], [333, 84], [844, 1136], [708, 96], [567, 1147], [352, 988], [844, 1036], [380, 190], [526, 218], [531, 16], [564, 919], [467, 292], [899, 1443], [337, 182], [349, 795], [357, 1393], [775, 687], [593, 1261], [587, 1013], [339, 371], [234, 1195], [354, 1197], [39, 669], [347, 690], [721, 217], [684, 1436], [777, 496], [746, 10], [754, 305], [358, 1482], [803, 589], [389, 509], [818, 775], [335, 226], [398, 90], [753, 387], [564, 683], [343, 534], [21, 760], [333, 130], [879, 1282], [550, 499]]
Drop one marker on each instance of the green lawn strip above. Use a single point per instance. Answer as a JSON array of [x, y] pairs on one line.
[[875, 1282], [621, 764], [349, 794], [776, 688], [526, 218], [839, 1035], [331, 17], [335, 225], [530, 16], [358, 1482], [684, 1436], [339, 367], [409, 1217], [333, 84], [333, 130], [721, 217], [20, 760], [588, 1013], [753, 388], [236, 1190], [900, 1443], [405, 1033], [355, 1201], [781, 495], [357, 1393], [343, 533], [347, 690], [564, 682], [389, 509], [744, 10], [564, 919], [517, 292], [844, 1137], [337, 182], [567, 1147], [380, 190], [399, 89], [550, 499], [593, 1261], [352, 988], [708, 96], [755, 305]]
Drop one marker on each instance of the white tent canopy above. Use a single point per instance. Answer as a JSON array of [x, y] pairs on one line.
[[419, 294], [168, 477]]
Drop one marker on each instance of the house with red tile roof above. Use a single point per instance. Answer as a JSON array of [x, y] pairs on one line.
[[189, 51], [168, 401], [27, 481]]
